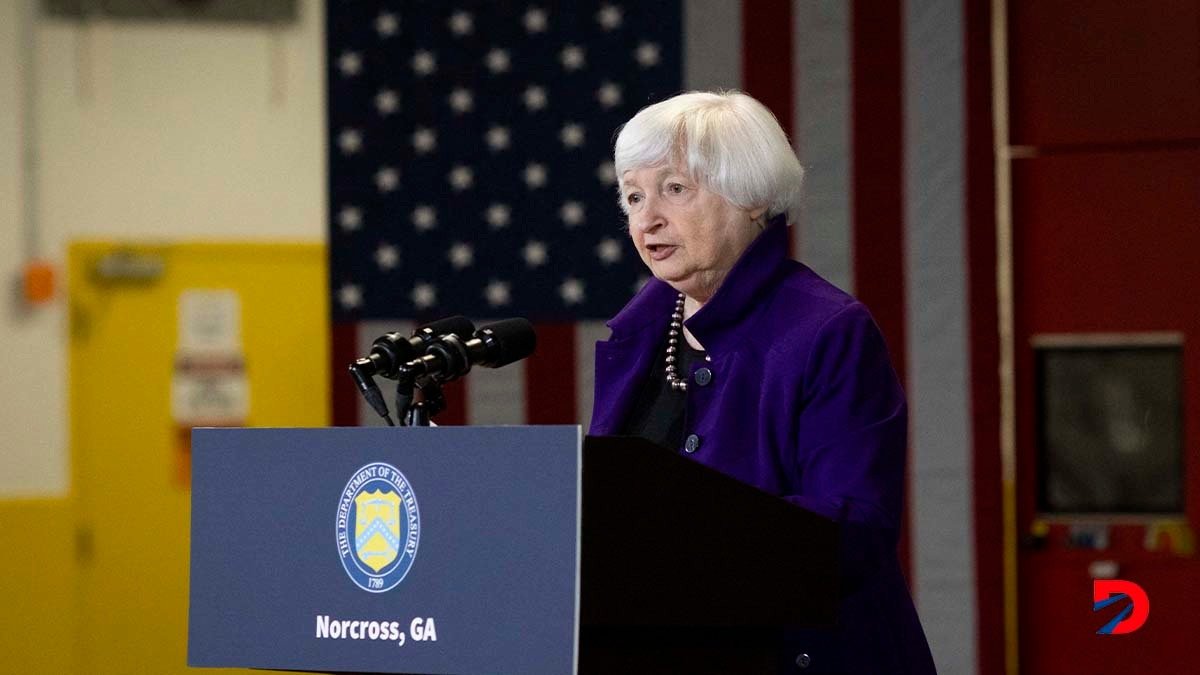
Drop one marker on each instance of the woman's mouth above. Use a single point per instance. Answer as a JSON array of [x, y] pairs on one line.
[[660, 251]]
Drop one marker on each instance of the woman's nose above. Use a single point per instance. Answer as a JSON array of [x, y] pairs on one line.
[[649, 217]]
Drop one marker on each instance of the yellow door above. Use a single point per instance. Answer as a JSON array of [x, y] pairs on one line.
[[129, 449]]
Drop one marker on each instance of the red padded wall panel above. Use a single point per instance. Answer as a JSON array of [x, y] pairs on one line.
[[1106, 242], [1104, 71]]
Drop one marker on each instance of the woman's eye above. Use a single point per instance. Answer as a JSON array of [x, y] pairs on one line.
[[675, 188], [633, 198]]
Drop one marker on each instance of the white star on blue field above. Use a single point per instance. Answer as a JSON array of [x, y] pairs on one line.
[[470, 153]]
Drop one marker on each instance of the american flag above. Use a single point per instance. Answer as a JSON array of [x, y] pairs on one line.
[[469, 174], [471, 164]]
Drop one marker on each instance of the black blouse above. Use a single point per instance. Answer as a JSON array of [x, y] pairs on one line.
[[658, 411]]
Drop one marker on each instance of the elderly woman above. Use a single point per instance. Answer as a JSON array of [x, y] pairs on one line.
[[750, 363]]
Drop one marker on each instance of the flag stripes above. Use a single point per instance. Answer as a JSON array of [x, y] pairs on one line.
[[872, 94], [937, 343]]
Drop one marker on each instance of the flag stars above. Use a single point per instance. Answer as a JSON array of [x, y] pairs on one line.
[[535, 175], [350, 296], [647, 54], [535, 254], [387, 178], [498, 293], [608, 251], [424, 140], [571, 135], [534, 98], [461, 178], [387, 102], [461, 255], [350, 141], [350, 218], [535, 20], [424, 62], [606, 173], [423, 295], [571, 291], [462, 23], [498, 216], [498, 138], [609, 95], [424, 217], [572, 57], [572, 213], [387, 25], [350, 64], [387, 257], [497, 61], [609, 17], [461, 100]]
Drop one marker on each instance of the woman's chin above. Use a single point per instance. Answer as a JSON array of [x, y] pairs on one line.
[[674, 280], [685, 285]]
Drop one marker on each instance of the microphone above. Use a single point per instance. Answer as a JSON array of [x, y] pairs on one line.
[[392, 350], [492, 346]]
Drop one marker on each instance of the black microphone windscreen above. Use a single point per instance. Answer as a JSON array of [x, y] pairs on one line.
[[506, 341], [459, 325]]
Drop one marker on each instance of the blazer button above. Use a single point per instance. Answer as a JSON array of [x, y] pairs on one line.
[[702, 376], [692, 444], [803, 660]]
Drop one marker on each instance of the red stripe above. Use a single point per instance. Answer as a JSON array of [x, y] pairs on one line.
[[343, 351], [456, 411], [985, 337], [877, 138], [767, 63], [767, 56], [550, 376]]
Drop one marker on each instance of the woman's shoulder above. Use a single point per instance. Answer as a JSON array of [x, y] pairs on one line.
[[805, 303], [807, 319]]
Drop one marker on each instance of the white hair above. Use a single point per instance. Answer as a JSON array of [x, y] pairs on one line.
[[728, 142]]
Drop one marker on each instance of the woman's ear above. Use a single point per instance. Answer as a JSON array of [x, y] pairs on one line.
[[756, 217]]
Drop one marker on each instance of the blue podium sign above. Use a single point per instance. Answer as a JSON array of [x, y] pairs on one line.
[[391, 550]]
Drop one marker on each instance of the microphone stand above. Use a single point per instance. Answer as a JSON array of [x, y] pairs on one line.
[[432, 402], [418, 413]]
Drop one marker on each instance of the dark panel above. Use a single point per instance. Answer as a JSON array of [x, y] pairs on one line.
[[1110, 429], [1104, 71], [658, 526]]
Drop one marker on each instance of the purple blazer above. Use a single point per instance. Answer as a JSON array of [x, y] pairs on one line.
[[800, 401]]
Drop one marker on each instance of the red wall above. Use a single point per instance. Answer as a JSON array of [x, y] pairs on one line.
[[1106, 237]]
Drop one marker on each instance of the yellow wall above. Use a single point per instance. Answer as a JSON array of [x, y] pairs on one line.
[[98, 582], [162, 130], [170, 130], [38, 587]]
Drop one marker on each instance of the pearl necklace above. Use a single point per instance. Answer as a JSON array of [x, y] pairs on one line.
[[677, 383]]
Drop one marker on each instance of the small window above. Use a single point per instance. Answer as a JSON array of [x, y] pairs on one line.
[[1110, 425]]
